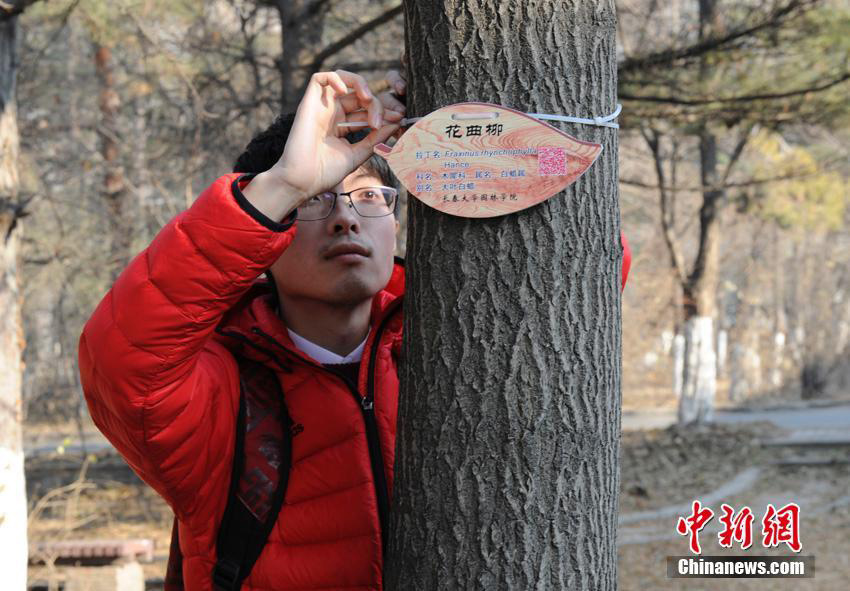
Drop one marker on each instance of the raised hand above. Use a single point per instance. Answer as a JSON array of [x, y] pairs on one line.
[[394, 99], [317, 156]]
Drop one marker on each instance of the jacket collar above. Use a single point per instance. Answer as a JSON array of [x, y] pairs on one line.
[[254, 321]]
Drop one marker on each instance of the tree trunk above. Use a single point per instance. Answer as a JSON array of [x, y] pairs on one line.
[[13, 502], [302, 52], [294, 52], [699, 370], [114, 189], [780, 321], [699, 376], [509, 415]]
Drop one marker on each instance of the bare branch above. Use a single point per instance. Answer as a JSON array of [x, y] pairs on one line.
[[653, 140], [353, 36], [773, 20], [371, 65], [198, 101], [823, 168], [739, 99], [743, 138]]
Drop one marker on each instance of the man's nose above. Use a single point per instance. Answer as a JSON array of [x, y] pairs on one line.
[[343, 218]]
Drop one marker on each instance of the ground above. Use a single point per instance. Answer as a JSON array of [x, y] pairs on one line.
[[665, 468], [661, 470]]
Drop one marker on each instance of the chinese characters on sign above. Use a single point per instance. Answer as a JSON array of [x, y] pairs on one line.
[[455, 131], [482, 197], [457, 160], [778, 526], [457, 181]]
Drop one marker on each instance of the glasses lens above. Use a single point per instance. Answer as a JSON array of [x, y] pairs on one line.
[[373, 202], [316, 207]]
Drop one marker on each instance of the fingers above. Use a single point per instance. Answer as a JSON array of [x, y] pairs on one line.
[[363, 149], [332, 97], [319, 80], [392, 103], [349, 90], [343, 82], [392, 116], [396, 81], [317, 109], [363, 116], [393, 110], [350, 103], [364, 96]]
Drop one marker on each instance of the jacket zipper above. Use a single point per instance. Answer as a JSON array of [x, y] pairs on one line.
[[367, 407], [377, 460]]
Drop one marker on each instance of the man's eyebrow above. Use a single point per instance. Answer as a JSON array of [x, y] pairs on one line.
[[363, 173]]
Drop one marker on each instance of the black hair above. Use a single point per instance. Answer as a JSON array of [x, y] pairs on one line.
[[266, 148]]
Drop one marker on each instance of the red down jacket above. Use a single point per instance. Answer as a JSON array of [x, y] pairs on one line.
[[162, 385]]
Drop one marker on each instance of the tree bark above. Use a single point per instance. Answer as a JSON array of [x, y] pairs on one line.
[[113, 189], [699, 297], [699, 377], [780, 321], [13, 504], [295, 51], [509, 414]]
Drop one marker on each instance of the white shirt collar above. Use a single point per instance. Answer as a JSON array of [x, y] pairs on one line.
[[322, 355]]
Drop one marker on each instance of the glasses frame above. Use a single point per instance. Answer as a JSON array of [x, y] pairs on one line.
[[351, 203]]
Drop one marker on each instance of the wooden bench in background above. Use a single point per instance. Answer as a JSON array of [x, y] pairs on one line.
[[96, 565]]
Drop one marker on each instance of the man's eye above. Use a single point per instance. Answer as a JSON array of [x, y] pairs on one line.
[[369, 194]]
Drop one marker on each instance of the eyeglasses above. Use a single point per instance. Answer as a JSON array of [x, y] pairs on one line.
[[368, 202]]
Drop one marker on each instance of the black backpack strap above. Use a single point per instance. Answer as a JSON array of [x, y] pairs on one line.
[[242, 536], [230, 544], [174, 571]]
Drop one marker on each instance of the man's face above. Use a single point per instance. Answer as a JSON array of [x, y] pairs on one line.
[[342, 259]]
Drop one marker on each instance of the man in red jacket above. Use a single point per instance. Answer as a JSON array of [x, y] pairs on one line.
[[163, 357], [162, 382]]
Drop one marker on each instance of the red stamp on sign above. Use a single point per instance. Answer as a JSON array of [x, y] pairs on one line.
[[551, 161]]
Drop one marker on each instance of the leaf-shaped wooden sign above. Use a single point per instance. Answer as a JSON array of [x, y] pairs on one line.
[[479, 160]]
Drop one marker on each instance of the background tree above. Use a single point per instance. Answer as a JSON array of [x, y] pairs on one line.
[[509, 409], [132, 107], [304, 53], [713, 91], [13, 522]]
